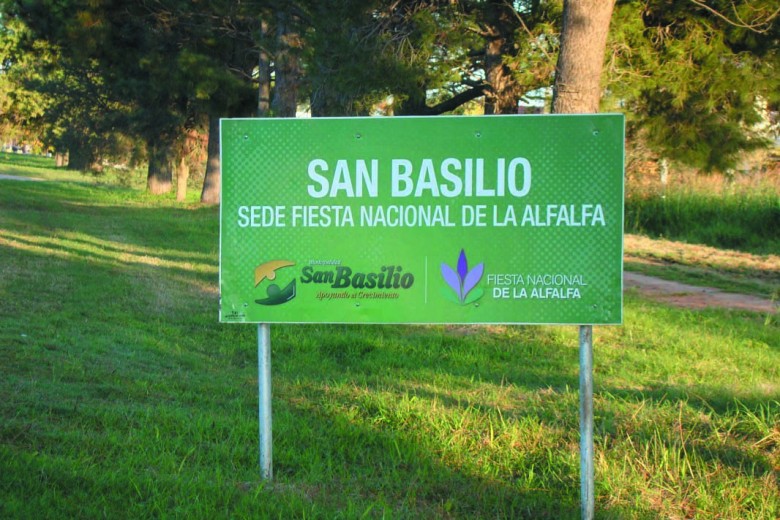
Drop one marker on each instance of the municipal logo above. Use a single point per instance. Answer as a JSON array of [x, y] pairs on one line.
[[274, 294]]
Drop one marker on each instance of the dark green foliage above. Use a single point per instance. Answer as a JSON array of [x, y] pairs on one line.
[[152, 70], [360, 53], [695, 85], [536, 44], [345, 72]]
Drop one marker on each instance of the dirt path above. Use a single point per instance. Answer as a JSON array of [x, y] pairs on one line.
[[695, 297], [5, 177]]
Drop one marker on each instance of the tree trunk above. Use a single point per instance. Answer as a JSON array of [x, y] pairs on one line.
[[577, 90], [263, 75], [82, 157], [159, 179], [213, 178], [288, 67], [583, 42], [414, 104], [499, 25], [182, 174], [77, 160], [500, 98], [663, 171]]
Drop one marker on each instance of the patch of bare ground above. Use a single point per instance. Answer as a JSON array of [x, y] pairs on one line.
[[735, 271], [5, 177], [695, 297], [646, 249]]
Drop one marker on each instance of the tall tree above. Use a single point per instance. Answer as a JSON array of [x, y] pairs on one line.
[[61, 102], [229, 50], [536, 46], [577, 90], [347, 71], [287, 61], [583, 43], [496, 49], [433, 45], [695, 76], [174, 61], [263, 73], [22, 106], [212, 182]]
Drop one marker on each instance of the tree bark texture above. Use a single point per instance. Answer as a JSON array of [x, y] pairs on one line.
[[159, 179], [212, 180], [82, 157], [287, 67], [583, 43], [182, 174], [499, 27], [263, 75]]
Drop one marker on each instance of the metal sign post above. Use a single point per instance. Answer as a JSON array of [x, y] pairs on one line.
[[264, 390], [586, 422]]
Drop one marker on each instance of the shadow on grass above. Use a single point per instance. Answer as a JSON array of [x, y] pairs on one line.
[[434, 373], [104, 215], [336, 459]]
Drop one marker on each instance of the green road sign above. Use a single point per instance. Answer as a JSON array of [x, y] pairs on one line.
[[501, 219]]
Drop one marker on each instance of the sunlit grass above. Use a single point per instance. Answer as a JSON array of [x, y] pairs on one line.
[[40, 168], [36, 167]]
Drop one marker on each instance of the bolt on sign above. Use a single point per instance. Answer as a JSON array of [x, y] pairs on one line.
[[500, 219]]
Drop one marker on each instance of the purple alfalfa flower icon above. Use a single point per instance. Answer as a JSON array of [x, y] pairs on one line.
[[462, 281]]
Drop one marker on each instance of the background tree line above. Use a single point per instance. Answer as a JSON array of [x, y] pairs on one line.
[[140, 79]]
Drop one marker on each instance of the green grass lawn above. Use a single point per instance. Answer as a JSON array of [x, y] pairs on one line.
[[122, 397]]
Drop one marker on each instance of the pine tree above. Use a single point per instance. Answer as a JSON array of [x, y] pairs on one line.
[[692, 76]]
